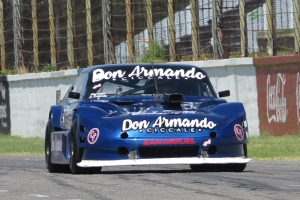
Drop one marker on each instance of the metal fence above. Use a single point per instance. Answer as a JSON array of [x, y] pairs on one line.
[[77, 33]]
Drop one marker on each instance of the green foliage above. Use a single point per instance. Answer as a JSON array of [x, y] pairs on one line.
[[155, 53], [49, 68], [7, 72]]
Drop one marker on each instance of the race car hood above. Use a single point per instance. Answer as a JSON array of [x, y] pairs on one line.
[[152, 116]]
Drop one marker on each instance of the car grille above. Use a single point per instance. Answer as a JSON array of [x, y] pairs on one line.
[[169, 152]]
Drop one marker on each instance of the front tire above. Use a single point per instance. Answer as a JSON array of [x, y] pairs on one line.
[[203, 167], [76, 154], [236, 167], [52, 168], [221, 167]]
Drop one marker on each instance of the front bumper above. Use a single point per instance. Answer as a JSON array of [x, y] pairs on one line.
[[161, 161]]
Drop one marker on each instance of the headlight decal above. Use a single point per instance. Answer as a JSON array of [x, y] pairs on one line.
[[93, 135], [239, 132]]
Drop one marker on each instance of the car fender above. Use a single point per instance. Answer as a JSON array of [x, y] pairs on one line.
[[56, 113], [231, 110]]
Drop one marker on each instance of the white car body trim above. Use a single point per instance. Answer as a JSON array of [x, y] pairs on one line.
[[161, 161]]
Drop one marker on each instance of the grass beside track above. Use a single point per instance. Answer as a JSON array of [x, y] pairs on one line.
[[266, 147], [12, 145], [259, 148]]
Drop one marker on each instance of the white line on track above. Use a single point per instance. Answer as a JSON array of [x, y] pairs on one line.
[[38, 195]]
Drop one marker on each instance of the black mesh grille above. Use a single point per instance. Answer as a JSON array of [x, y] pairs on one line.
[[168, 152]]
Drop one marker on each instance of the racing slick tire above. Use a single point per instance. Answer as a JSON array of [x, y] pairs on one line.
[[76, 154], [52, 168], [236, 167], [203, 167]]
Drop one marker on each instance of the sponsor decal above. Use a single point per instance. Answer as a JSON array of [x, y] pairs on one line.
[[276, 100], [97, 86], [169, 112], [174, 112], [97, 95], [206, 143], [172, 141], [99, 75], [162, 124], [93, 135], [239, 132], [142, 72]]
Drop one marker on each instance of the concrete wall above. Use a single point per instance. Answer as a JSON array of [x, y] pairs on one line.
[[31, 96]]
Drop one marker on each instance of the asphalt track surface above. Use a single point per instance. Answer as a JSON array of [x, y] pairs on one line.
[[27, 178]]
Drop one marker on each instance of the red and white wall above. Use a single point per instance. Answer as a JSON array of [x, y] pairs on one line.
[[278, 91]]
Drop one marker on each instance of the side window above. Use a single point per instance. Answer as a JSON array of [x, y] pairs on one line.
[[74, 85], [66, 98], [80, 84], [70, 89], [67, 93], [206, 89]]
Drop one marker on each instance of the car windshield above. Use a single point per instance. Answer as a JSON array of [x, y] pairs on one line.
[[148, 81]]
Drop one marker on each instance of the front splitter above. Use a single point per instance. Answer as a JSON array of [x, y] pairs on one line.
[[162, 161]]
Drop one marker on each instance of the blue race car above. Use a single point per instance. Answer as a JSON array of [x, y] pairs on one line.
[[140, 114]]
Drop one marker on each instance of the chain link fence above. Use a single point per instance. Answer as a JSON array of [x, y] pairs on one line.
[[75, 33]]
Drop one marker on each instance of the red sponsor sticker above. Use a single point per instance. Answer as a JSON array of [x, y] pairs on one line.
[[93, 136], [239, 132], [173, 141]]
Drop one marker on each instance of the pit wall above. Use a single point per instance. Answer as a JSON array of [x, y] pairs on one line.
[[268, 87]]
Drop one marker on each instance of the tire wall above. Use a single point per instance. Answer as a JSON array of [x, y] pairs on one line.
[[278, 89]]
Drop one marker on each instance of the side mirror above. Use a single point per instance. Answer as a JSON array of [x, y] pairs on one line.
[[74, 95], [225, 93]]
